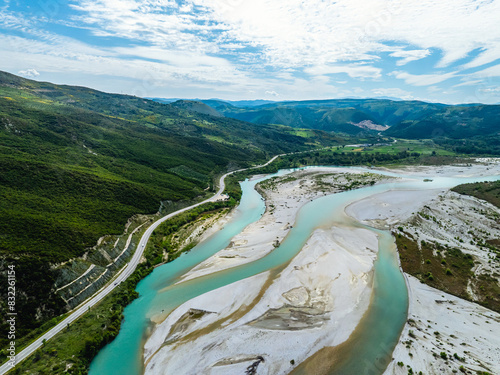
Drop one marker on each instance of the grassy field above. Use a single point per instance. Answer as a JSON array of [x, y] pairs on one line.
[[423, 147], [382, 154]]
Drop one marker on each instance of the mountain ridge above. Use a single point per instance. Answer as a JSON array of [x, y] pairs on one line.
[[405, 119]]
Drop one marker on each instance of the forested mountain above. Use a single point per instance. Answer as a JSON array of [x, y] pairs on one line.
[[404, 119], [76, 163], [196, 106], [452, 122]]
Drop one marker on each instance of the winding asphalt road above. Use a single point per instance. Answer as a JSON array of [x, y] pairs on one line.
[[122, 275]]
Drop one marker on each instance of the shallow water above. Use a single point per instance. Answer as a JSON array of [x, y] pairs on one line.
[[369, 348], [124, 354], [379, 331]]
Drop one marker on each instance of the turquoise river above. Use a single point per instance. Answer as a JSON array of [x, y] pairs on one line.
[[375, 337]]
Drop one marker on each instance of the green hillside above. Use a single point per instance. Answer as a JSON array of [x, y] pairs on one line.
[[452, 122], [196, 106], [406, 119], [337, 115], [76, 163]]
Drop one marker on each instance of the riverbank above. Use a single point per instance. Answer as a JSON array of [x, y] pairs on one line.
[[476, 167], [277, 319], [446, 334], [443, 333], [284, 197], [274, 315]]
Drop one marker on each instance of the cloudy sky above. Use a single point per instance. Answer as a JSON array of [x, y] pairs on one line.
[[443, 51]]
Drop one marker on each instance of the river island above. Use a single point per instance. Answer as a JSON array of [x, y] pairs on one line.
[[302, 283]]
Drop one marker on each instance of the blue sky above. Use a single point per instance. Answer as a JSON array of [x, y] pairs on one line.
[[442, 51]]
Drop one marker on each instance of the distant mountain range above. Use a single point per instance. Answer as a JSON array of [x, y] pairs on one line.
[[236, 103], [404, 119]]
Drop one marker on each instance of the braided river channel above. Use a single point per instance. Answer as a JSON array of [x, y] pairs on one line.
[[367, 351]]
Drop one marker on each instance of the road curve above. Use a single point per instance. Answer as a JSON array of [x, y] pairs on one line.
[[122, 275]]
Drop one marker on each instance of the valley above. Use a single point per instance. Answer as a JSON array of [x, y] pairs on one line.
[[90, 173], [284, 301], [77, 166], [238, 187]]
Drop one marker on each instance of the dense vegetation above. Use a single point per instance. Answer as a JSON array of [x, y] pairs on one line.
[[477, 145], [452, 122], [406, 119], [72, 351], [196, 106], [76, 163], [424, 153], [339, 115], [487, 191], [162, 245]]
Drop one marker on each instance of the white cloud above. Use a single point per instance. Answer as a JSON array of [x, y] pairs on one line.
[[395, 92], [236, 43], [293, 33], [467, 81], [178, 58], [423, 79], [157, 22], [13, 21], [353, 71], [188, 67], [492, 71], [407, 56], [185, 72], [272, 93], [487, 56], [495, 90], [28, 73]]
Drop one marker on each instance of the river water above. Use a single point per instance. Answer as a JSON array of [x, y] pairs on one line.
[[368, 350]]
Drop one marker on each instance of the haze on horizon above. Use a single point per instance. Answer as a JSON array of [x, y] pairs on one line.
[[446, 51]]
